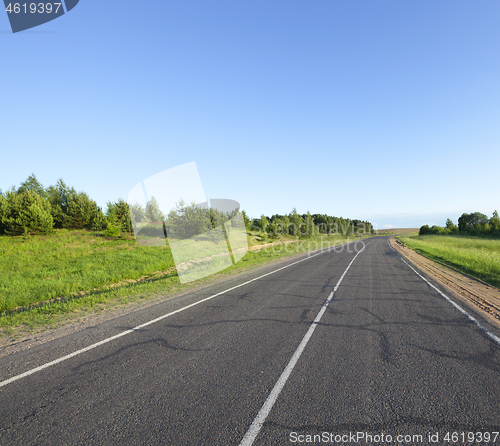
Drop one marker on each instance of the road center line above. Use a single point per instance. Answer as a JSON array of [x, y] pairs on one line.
[[259, 420], [158, 319]]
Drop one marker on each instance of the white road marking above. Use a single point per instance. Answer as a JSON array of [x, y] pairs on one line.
[[256, 426], [390, 246], [124, 333], [458, 307]]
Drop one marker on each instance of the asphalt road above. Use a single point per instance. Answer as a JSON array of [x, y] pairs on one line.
[[389, 356]]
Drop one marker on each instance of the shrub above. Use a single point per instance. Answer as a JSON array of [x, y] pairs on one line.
[[59, 197], [472, 223], [82, 212], [112, 230], [274, 230], [425, 229], [247, 221], [121, 211], [264, 222], [99, 222], [26, 212], [4, 210], [452, 227]]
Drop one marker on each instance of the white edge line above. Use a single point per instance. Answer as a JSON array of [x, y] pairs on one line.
[[259, 420], [388, 242], [458, 307], [119, 335]]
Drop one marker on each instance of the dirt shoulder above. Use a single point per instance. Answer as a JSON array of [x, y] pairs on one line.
[[484, 298]]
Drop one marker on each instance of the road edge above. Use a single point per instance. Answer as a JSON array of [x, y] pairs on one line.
[[481, 298]]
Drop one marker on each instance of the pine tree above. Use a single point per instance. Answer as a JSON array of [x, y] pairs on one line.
[[153, 211], [82, 212], [59, 197], [4, 211], [263, 223], [121, 211], [26, 212], [246, 220], [295, 222], [32, 184]]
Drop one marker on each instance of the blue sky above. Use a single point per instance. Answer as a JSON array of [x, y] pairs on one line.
[[372, 109]]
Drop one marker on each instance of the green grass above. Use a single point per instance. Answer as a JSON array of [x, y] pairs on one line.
[[40, 268], [87, 272], [477, 256]]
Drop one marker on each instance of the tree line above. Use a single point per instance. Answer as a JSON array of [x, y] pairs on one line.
[[474, 223], [307, 225], [33, 208]]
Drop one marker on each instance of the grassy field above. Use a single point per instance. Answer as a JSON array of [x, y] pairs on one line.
[[81, 270], [477, 256], [401, 231]]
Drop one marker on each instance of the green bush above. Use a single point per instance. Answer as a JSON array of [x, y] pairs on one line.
[[26, 212], [4, 209], [99, 221], [468, 224], [472, 223], [112, 230], [59, 197], [82, 212], [121, 212], [273, 230], [248, 223], [74, 210], [425, 229]]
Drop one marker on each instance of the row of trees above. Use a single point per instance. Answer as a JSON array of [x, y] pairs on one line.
[[307, 225], [31, 208], [188, 220], [475, 223]]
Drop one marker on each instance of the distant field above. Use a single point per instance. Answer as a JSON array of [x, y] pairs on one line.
[[477, 256], [399, 231]]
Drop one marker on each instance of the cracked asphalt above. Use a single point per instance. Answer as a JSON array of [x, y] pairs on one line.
[[390, 355]]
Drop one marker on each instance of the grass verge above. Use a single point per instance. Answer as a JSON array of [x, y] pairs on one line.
[[476, 256], [47, 280]]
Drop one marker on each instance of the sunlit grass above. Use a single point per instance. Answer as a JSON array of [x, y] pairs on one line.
[[477, 256], [81, 266], [41, 268]]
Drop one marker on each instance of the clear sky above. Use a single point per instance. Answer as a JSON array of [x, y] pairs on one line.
[[387, 110]]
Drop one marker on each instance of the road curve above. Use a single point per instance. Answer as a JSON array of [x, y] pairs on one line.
[[390, 356]]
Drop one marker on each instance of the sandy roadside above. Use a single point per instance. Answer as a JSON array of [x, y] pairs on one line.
[[484, 298]]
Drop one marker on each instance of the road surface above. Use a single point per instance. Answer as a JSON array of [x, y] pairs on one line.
[[275, 359]]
